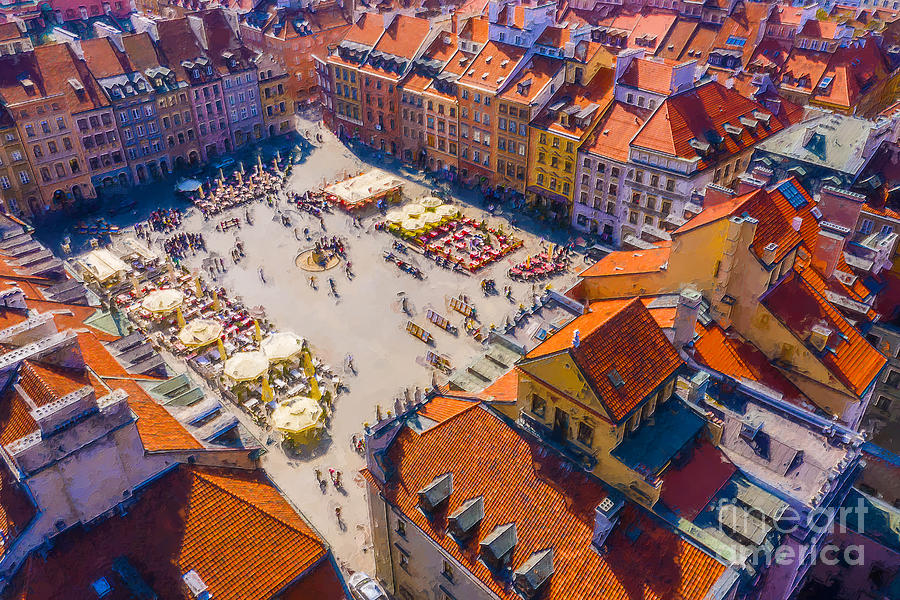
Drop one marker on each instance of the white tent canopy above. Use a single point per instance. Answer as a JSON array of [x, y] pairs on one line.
[[431, 202], [246, 366], [102, 264]]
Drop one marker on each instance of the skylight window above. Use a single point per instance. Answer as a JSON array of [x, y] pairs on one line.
[[736, 41], [826, 81]]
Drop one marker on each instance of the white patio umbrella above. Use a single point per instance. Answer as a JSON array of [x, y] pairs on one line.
[[282, 346], [431, 202], [411, 224], [297, 417], [246, 366], [413, 209], [163, 301], [199, 333], [394, 216], [430, 218], [446, 210]]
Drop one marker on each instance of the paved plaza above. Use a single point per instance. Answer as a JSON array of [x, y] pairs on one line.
[[363, 319]]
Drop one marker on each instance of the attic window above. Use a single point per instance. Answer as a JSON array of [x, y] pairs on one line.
[[488, 59], [484, 75], [748, 122], [101, 587], [76, 85], [763, 117], [534, 572], [615, 379], [498, 546], [749, 431], [700, 147], [504, 62], [733, 129], [436, 492]]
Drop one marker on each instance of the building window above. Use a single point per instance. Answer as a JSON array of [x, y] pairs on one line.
[[447, 570], [585, 434], [401, 527], [538, 405], [893, 379]]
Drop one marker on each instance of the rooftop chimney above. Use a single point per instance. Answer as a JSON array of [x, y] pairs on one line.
[[196, 586], [829, 247], [716, 194], [576, 338], [796, 223], [606, 515], [840, 206], [686, 316], [818, 337]]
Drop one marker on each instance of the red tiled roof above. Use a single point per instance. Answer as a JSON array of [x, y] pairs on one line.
[[616, 336], [599, 91], [743, 22], [15, 417], [629, 262], [552, 506], [689, 488], [16, 508], [676, 39], [803, 64], [854, 71], [615, 130], [159, 430], [45, 383], [649, 74], [103, 59], [541, 70], [504, 389], [693, 114], [404, 36], [442, 408], [799, 306], [497, 60], [655, 26], [700, 43], [729, 354], [230, 526]]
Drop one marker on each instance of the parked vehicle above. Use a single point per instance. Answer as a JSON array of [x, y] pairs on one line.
[[364, 587]]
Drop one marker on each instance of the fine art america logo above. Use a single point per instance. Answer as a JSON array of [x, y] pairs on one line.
[[812, 527]]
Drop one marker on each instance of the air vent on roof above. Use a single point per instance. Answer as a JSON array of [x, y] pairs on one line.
[[534, 573], [471, 72], [484, 75], [489, 58], [504, 62], [195, 585], [76, 85], [497, 547], [436, 492], [606, 515], [463, 521], [615, 379]]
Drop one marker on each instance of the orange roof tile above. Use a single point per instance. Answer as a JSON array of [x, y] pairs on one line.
[[629, 262], [404, 36], [744, 22], [803, 69], [616, 336], [799, 306], [700, 43], [651, 30], [15, 417], [854, 71], [541, 70], [230, 526], [677, 38], [599, 91], [552, 506], [16, 508], [729, 354]]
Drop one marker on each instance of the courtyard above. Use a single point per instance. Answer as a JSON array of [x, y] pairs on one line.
[[365, 315]]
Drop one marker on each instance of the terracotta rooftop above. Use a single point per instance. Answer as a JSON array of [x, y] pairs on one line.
[[803, 70], [103, 59], [688, 488], [367, 29], [853, 72], [651, 30], [552, 505], [629, 262], [701, 42], [504, 389], [649, 74], [692, 124], [404, 36], [729, 354], [441, 408], [529, 82], [490, 68], [598, 92], [16, 508], [677, 39], [45, 383], [740, 29], [799, 306], [619, 340], [613, 133], [231, 527]]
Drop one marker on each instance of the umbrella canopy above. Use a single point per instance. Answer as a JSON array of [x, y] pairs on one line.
[[199, 333], [394, 216], [411, 224], [162, 301], [430, 218], [188, 185], [431, 202], [297, 415], [413, 209], [445, 210], [282, 346], [246, 366]]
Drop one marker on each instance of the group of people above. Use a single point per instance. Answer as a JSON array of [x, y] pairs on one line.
[[163, 220], [262, 185], [180, 244]]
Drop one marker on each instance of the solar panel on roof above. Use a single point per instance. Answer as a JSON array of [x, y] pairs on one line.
[[792, 194]]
